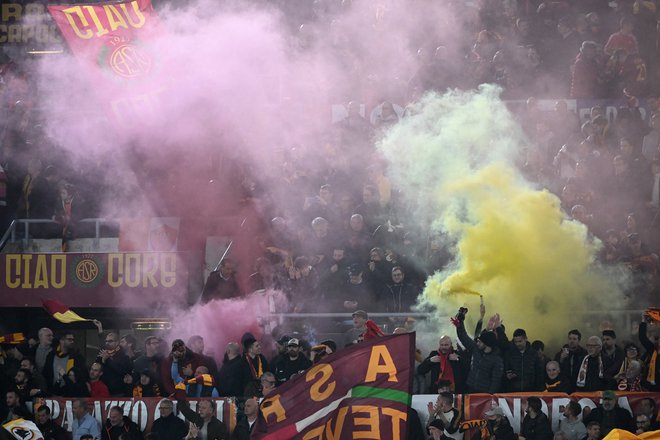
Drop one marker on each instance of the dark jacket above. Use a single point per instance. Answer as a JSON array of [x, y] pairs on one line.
[[527, 368], [169, 428], [250, 375], [457, 367], [537, 428], [503, 431], [114, 369], [286, 367], [216, 430], [52, 431], [649, 346], [243, 429], [571, 365], [617, 418], [593, 381], [485, 375], [229, 377], [110, 432], [78, 362]]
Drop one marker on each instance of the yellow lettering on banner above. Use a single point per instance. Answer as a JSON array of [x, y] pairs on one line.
[[272, 406], [41, 273], [11, 10], [13, 279], [315, 391], [3, 33], [69, 12], [379, 352], [397, 416], [34, 9], [339, 424], [133, 269], [149, 266], [168, 270], [118, 260], [316, 433], [138, 14], [100, 30], [114, 18], [54, 261], [14, 33], [27, 258], [371, 421]]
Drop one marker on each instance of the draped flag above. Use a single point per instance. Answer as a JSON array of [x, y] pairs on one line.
[[620, 434], [61, 312], [363, 391], [112, 41], [23, 430], [12, 338]]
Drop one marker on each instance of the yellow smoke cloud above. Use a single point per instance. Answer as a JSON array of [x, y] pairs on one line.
[[514, 244]]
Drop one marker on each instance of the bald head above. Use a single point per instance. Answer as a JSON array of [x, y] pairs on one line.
[[444, 346]]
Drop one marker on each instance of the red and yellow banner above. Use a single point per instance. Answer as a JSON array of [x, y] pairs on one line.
[[91, 280], [361, 392], [113, 42]]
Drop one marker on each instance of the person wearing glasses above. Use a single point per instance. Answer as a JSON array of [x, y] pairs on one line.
[[61, 360], [116, 364], [168, 426], [591, 374]]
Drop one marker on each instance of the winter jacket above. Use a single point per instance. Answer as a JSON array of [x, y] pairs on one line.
[[486, 369], [537, 428], [527, 368]]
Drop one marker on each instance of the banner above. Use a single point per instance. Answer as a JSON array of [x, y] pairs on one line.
[[112, 42], [23, 430], [361, 392], [91, 279], [142, 411], [513, 404], [27, 25]]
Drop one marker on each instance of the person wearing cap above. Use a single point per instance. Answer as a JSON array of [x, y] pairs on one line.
[[498, 425], [487, 367], [292, 363], [280, 344], [187, 362], [652, 354], [612, 355], [354, 292], [609, 415], [353, 335], [146, 386], [535, 425], [571, 425], [253, 364], [436, 428]]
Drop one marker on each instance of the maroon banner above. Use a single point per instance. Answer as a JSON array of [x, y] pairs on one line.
[[142, 411], [92, 280], [361, 392], [513, 404]]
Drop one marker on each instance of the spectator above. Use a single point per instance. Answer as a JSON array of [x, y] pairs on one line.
[[642, 424], [292, 364], [571, 425], [202, 384], [591, 376], [570, 357], [498, 425], [83, 422], [222, 283], [196, 345], [609, 415], [187, 363], [245, 424], [24, 386], [535, 425], [128, 344], [49, 429], [14, 405], [623, 39], [62, 360], [487, 367], [43, 349], [168, 426], [354, 335], [522, 366], [207, 425], [593, 431], [651, 141], [647, 407], [555, 381], [37, 380], [71, 384], [151, 360], [443, 364], [116, 364], [399, 296], [612, 355], [585, 72], [97, 388], [254, 363], [230, 373], [448, 416], [632, 379], [146, 387], [117, 424]]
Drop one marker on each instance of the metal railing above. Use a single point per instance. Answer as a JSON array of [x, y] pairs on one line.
[[23, 224]]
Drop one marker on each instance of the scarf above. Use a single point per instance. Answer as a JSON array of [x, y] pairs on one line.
[[372, 331], [70, 363], [446, 371], [113, 352], [626, 385], [256, 373], [550, 387], [582, 375], [203, 379], [651, 376]]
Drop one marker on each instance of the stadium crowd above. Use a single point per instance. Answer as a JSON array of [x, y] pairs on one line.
[[489, 362], [337, 240]]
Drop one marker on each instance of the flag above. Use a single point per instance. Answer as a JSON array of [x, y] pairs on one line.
[[12, 338], [363, 391], [61, 312], [23, 430], [620, 434]]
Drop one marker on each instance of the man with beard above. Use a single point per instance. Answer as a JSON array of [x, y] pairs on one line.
[[535, 425], [150, 360], [571, 425], [443, 364], [398, 295], [609, 415], [522, 365], [196, 344], [292, 363], [115, 362], [62, 359], [612, 355], [570, 356], [498, 425], [50, 429], [187, 363]]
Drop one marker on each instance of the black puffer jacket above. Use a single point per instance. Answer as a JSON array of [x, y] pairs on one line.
[[486, 369], [527, 367]]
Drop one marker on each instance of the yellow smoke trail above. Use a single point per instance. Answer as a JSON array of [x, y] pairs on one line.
[[514, 245]]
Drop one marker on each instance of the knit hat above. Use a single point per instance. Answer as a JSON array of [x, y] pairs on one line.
[[488, 338], [609, 333], [247, 340], [437, 423]]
